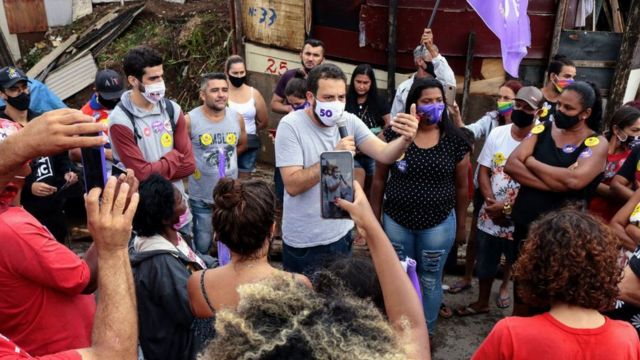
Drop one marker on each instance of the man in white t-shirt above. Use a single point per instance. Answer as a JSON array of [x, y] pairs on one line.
[[495, 229], [301, 137]]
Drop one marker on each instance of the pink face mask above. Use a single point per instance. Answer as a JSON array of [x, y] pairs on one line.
[[184, 218]]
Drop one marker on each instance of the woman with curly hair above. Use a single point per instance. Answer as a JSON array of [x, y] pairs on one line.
[[243, 216], [568, 264], [281, 319]]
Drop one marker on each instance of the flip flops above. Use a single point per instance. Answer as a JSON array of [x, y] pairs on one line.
[[503, 302], [445, 311], [469, 311], [458, 287]]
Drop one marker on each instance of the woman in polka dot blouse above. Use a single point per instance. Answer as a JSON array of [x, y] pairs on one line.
[[425, 191]]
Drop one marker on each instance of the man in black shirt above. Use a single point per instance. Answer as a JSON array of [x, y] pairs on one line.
[[44, 190]]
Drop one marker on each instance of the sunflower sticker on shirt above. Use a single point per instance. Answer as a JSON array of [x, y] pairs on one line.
[[537, 129], [592, 141], [499, 159], [231, 139], [206, 139], [197, 174]]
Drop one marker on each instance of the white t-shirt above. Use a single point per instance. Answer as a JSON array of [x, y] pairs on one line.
[[299, 142], [497, 148]]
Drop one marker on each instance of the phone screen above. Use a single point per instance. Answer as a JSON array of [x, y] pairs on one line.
[[94, 166], [336, 181]]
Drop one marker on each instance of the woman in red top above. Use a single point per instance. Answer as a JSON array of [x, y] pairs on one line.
[[624, 132], [566, 263]]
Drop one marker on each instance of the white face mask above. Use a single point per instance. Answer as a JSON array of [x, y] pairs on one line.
[[154, 92], [329, 112]]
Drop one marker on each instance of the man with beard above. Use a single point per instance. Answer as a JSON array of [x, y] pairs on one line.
[[148, 132], [312, 55], [429, 63], [499, 190], [301, 137], [217, 136]]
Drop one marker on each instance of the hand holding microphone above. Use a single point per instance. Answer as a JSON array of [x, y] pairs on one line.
[[347, 141]]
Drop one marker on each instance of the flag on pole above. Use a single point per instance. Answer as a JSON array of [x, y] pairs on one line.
[[507, 19]]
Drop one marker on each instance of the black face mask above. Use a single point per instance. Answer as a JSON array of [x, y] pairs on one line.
[[20, 102], [521, 119], [237, 81], [430, 69], [109, 104], [563, 121]]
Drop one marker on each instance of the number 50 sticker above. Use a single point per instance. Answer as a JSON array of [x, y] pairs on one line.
[[327, 112]]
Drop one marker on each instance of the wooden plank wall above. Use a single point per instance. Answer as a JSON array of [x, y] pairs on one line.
[[278, 23], [25, 16]]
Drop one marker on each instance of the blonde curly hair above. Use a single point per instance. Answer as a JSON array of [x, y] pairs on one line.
[[281, 319]]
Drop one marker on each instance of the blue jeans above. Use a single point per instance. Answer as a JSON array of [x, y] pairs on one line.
[[430, 248], [202, 227], [308, 260]]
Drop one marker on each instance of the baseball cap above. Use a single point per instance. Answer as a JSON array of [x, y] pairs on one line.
[[9, 76], [109, 84], [531, 95]]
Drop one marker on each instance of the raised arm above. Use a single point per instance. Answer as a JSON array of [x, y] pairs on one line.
[[49, 134], [115, 328], [401, 301]]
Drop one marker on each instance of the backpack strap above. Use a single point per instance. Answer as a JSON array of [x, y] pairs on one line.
[[136, 135], [171, 112]]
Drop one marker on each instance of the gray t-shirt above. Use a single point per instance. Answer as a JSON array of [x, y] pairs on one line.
[[215, 152], [299, 142]]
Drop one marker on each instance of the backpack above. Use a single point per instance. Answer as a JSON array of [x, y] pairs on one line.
[[167, 105]]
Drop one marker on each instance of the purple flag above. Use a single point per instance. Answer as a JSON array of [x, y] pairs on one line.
[[507, 19]]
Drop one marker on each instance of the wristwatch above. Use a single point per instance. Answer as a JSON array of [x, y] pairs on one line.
[[506, 210]]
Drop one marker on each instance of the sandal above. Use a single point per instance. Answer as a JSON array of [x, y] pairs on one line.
[[458, 287], [445, 311], [469, 311], [503, 302]]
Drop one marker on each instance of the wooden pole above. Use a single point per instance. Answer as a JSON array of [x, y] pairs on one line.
[[235, 9], [630, 41], [471, 43], [557, 31], [391, 49]]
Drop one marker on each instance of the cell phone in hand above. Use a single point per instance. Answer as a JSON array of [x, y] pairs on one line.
[[336, 181], [94, 167], [450, 94], [117, 171]]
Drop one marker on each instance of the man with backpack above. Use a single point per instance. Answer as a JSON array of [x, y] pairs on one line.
[[148, 133]]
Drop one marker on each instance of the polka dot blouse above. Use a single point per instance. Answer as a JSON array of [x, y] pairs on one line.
[[421, 189]]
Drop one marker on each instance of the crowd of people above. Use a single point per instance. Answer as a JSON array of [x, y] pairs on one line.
[[179, 265]]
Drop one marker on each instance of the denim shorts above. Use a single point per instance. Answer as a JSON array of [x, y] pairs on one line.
[[364, 162], [489, 249], [247, 161]]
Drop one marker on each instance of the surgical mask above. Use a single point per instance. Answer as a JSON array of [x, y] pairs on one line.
[[505, 107], [20, 102], [628, 140], [302, 106], [563, 121], [108, 104], [237, 81], [561, 84], [521, 119], [430, 114], [329, 111], [153, 92]]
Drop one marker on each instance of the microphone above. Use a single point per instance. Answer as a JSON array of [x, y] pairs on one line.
[[342, 127]]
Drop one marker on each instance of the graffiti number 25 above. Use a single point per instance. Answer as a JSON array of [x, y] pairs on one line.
[[272, 68]]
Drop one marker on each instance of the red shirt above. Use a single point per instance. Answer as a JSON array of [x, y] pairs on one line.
[[544, 337], [10, 351], [41, 306], [606, 208]]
